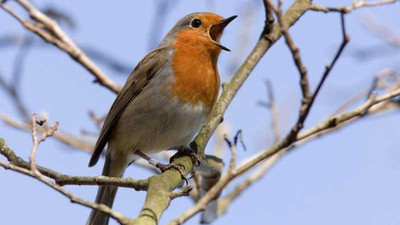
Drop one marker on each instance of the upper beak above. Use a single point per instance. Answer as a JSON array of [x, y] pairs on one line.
[[216, 29]]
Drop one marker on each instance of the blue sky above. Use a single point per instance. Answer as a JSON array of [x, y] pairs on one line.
[[347, 177]]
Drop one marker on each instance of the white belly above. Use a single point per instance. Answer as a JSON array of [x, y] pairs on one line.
[[153, 122]]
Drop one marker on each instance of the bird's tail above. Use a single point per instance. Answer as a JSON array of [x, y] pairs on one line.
[[106, 194]]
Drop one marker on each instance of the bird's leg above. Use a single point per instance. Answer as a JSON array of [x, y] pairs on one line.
[[190, 151], [161, 166]]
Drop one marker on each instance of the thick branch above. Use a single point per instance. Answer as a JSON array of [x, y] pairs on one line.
[[160, 191]]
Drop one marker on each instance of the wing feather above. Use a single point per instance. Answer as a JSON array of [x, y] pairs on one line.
[[145, 70]]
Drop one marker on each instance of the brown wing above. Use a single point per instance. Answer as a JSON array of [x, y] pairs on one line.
[[139, 78]]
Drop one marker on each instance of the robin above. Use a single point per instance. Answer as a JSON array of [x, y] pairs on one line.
[[164, 101]]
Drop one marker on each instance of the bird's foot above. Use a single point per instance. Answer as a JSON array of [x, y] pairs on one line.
[[164, 167], [187, 151], [177, 167]]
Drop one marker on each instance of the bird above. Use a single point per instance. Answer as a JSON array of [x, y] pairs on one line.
[[164, 102]]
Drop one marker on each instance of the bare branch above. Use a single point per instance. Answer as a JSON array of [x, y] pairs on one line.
[[305, 108], [36, 141], [160, 188], [73, 141], [356, 113], [378, 83], [230, 89], [224, 202], [101, 207], [32, 170], [274, 111], [61, 136], [269, 18], [56, 36], [356, 5], [307, 99], [304, 84], [185, 191], [96, 119], [12, 91], [351, 101], [62, 179], [232, 148], [382, 31], [323, 127], [159, 192]]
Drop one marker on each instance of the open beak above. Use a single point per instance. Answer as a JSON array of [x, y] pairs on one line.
[[215, 31]]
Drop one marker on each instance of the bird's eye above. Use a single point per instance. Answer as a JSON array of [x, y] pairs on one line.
[[196, 23]]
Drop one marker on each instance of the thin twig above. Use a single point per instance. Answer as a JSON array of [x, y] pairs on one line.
[[12, 91], [96, 119], [356, 113], [36, 141], [64, 138], [351, 101], [348, 9], [239, 138], [225, 201], [269, 18], [232, 148], [34, 146], [382, 31], [274, 112], [377, 83], [305, 109], [304, 84], [185, 191], [56, 36]]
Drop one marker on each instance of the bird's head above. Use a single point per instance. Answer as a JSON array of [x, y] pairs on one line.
[[203, 29]]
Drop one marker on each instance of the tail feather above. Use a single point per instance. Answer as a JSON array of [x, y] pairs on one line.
[[106, 194]]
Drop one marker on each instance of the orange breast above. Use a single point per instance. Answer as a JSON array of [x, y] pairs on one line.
[[195, 68]]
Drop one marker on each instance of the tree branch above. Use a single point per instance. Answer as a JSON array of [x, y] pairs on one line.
[[60, 135], [356, 5], [298, 8], [304, 84], [306, 107], [224, 202], [36, 141], [53, 34], [63, 179], [280, 148], [103, 208]]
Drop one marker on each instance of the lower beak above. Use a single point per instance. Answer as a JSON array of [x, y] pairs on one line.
[[216, 29]]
